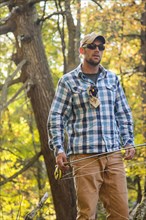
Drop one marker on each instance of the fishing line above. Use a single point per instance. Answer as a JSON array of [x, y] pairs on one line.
[[108, 171], [101, 171], [106, 154], [119, 214], [58, 173]]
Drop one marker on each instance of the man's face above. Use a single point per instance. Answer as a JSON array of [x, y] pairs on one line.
[[92, 55]]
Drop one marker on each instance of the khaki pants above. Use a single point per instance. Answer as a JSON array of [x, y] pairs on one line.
[[100, 177]]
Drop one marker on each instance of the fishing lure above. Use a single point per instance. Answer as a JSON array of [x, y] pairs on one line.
[[57, 173]]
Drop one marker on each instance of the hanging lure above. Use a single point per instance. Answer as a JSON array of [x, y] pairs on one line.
[[57, 173]]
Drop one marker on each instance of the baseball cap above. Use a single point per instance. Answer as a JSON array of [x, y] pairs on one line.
[[89, 38]]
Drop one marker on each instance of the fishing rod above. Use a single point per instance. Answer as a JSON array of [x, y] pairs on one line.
[[58, 174]]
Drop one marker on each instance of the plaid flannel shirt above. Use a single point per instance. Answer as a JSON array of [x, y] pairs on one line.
[[90, 130]]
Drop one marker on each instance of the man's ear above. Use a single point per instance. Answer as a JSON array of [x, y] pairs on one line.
[[81, 50]]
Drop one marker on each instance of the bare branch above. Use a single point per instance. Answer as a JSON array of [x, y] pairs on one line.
[[132, 71], [10, 151], [44, 9], [27, 85], [49, 16], [9, 26], [139, 211], [8, 82], [97, 4], [15, 81], [26, 167], [32, 214], [132, 35], [62, 33], [31, 2]]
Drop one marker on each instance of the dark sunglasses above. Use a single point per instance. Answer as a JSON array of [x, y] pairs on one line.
[[93, 46]]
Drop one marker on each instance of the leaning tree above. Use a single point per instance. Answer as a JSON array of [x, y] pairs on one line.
[[30, 57]]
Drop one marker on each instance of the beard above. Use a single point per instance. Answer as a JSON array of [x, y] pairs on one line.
[[93, 62]]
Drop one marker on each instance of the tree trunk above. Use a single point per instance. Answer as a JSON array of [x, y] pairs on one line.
[[78, 32], [71, 62], [140, 210], [143, 67], [41, 91]]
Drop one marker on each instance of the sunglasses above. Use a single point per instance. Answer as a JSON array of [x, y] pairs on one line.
[[93, 46]]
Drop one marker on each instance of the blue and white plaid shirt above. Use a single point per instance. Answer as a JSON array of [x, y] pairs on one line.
[[90, 129]]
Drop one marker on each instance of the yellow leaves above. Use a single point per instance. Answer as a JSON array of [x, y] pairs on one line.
[[119, 22]]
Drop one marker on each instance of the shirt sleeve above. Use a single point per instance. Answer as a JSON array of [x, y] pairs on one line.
[[59, 113], [124, 117]]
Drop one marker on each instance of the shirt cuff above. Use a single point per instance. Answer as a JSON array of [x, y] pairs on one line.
[[58, 150], [129, 142]]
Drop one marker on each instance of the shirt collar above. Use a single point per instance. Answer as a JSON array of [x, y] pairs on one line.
[[79, 70], [102, 74]]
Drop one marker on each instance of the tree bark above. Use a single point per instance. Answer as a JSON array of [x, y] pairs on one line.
[[71, 62], [140, 210], [78, 32], [30, 47], [143, 67]]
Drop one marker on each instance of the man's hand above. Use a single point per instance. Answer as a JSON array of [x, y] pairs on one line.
[[129, 153], [61, 161]]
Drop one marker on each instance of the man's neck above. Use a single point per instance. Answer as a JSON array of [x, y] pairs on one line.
[[90, 69]]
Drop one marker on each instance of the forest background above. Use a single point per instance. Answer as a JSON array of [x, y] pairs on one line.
[[39, 43]]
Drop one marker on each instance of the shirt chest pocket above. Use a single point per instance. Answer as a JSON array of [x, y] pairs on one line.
[[110, 93], [79, 97]]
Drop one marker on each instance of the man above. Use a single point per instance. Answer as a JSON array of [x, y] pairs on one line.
[[90, 104]]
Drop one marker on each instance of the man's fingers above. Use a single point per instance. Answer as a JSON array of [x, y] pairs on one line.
[[61, 161], [60, 164], [129, 154], [63, 166]]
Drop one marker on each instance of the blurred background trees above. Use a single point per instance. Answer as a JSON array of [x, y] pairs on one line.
[[39, 43]]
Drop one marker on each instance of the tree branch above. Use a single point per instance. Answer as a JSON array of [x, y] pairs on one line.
[[139, 211], [9, 82], [44, 9], [9, 26], [15, 81], [131, 72], [97, 4], [10, 151], [132, 35], [27, 85], [31, 2], [3, 1], [26, 167], [62, 33], [49, 16], [32, 214]]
